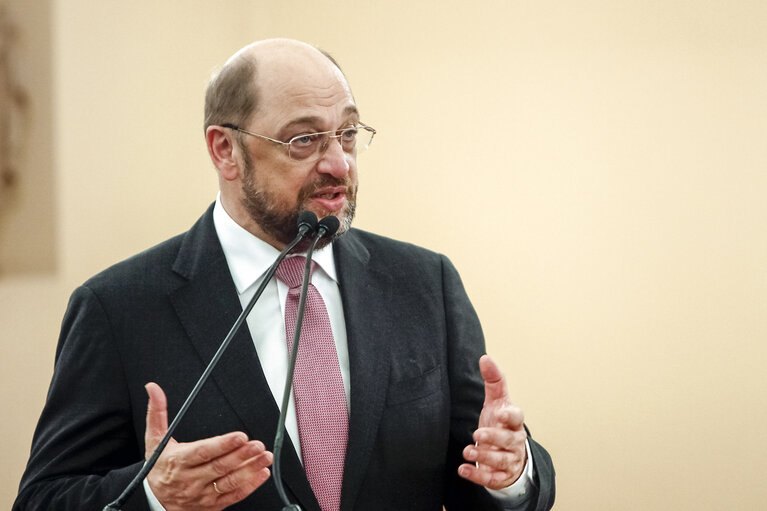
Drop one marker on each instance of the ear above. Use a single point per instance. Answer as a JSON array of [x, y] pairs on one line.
[[223, 152]]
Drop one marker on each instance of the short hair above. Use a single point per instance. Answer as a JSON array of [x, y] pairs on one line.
[[231, 93]]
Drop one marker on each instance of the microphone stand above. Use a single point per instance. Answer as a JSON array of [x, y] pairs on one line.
[[326, 227], [306, 223]]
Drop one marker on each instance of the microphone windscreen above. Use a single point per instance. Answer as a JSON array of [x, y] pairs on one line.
[[330, 224], [307, 219]]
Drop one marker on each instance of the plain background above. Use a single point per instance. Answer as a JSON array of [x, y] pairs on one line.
[[596, 170]]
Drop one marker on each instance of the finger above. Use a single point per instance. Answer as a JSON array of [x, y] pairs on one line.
[[510, 461], [493, 479], [200, 452], [500, 438], [156, 416], [237, 485], [495, 384], [509, 416], [241, 476], [223, 465]]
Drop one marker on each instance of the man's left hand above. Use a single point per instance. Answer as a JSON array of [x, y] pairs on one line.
[[499, 455]]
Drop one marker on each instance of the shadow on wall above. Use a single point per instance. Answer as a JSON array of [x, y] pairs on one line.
[[26, 191]]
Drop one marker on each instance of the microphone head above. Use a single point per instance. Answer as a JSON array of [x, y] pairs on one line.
[[308, 221], [329, 225]]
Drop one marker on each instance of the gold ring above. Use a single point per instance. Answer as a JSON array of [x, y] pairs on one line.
[[215, 487]]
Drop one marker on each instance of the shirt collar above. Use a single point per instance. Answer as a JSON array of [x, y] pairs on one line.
[[249, 257]]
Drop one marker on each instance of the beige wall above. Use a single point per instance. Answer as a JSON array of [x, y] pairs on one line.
[[595, 169]]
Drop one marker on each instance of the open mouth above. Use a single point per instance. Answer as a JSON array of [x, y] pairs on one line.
[[331, 199], [327, 195]]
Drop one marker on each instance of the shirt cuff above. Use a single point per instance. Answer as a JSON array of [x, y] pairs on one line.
[[154, 504], [519, 491]]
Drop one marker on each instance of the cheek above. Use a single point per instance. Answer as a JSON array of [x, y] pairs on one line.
[[353, 171], [280, 186], [288, 190], [272, 175]]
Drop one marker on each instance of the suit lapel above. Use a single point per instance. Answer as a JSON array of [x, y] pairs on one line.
[[365, 291], [208, 306]]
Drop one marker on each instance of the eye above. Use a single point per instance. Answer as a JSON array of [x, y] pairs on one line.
[[305, 140], [349, 134]]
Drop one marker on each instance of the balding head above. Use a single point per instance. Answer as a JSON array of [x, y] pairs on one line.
[[263, 68]]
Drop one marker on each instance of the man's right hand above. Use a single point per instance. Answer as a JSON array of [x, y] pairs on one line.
[[184, 474]]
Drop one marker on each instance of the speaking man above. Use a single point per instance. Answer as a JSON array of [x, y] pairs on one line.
[[394, 405]]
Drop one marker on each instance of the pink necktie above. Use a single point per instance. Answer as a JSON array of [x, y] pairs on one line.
[[317, 387]]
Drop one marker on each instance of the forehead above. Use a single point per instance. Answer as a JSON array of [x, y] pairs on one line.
[[308, 89]]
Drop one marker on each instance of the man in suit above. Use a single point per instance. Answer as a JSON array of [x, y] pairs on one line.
[[427, 421]]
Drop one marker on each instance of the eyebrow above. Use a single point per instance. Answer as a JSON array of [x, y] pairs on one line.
[[314, 119]]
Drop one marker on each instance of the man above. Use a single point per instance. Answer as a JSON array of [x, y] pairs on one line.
[[417, 428]]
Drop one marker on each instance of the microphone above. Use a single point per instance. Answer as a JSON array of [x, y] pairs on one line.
[[307, 223], [326, 227]]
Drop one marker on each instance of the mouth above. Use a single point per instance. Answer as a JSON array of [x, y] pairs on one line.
[[331, 199]]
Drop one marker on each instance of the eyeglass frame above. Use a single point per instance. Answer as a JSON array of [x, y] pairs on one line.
[[322, 149]]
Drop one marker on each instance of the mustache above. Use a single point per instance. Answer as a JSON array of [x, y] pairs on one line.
[[323, 182]]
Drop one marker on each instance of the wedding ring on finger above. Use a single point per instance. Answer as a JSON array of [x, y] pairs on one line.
[[215, 487]]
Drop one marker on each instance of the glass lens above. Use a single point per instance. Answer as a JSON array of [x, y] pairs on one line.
[[311, 145], [356, 137], [364, 138], [305, 146]]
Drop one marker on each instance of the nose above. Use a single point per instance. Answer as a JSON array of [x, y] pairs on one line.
[[334, 160]]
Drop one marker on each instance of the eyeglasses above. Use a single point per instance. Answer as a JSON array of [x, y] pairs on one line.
[[310, 146]]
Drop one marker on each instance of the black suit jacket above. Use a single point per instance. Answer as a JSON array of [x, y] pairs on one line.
[[414, 341]]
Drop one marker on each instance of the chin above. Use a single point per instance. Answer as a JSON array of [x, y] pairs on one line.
[[322, 213], [345, 216]]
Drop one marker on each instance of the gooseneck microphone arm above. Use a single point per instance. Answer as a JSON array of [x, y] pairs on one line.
[[326, 227], [307, 223]]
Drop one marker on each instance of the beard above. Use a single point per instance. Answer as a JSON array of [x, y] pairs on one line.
[[280, 222]]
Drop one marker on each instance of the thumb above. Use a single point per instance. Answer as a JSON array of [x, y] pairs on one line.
[[156, 416], [495, 383]]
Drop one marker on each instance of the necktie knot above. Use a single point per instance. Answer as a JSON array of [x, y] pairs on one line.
[[291, 271]]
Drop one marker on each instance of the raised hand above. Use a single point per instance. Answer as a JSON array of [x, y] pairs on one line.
[[499, 454], [208, 474]]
